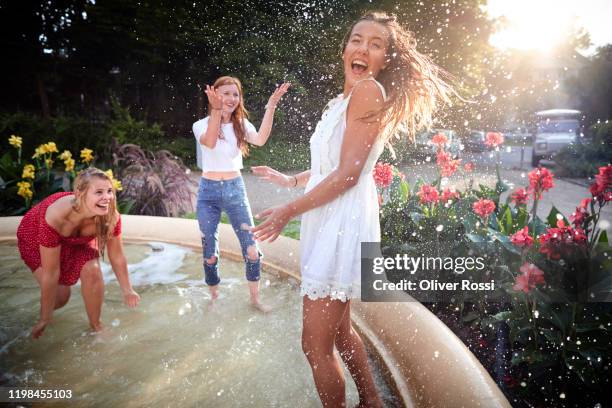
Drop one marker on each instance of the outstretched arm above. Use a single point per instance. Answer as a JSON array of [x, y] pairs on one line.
[[261, 137], [119, 264], [358, 139], [281, 179]]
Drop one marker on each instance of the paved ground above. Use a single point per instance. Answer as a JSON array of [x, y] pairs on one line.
[[566, 194]]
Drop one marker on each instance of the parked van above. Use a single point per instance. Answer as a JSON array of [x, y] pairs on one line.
[[554, 129]]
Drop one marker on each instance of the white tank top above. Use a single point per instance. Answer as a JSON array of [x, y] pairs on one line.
[[226, 155]]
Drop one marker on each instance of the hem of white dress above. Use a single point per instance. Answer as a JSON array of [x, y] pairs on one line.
[[334, 290]]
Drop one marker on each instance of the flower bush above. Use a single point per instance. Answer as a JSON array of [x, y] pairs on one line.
[[547, 271], [24, 183]]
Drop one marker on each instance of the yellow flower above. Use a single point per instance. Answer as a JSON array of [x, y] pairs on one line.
[[39, 151], [116, 183], [28, 171], [24, 190], [51, 147], [65, 155], [49, 163], [15, 141], [69, 163], [87, 155]]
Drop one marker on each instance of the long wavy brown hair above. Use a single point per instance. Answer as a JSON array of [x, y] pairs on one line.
[[239, 114], [105, 224], [414, 83]]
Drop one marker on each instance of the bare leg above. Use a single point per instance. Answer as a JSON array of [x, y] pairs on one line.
[[255, 301], [321, 320], [353, 353], [92, 290], [62, 295]]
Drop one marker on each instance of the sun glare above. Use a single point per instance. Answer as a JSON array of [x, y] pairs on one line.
[[529, 24]]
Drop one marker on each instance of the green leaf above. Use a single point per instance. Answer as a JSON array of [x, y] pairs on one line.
[[552, 217], [603, 237]]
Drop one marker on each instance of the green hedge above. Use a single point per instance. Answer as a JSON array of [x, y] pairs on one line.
[[584, 160]]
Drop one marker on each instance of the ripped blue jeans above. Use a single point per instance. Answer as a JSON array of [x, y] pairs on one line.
[[229, 196]]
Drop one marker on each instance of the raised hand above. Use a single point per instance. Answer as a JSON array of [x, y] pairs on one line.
[[273, 225], [215, 100], [273, 176], [278, 94]]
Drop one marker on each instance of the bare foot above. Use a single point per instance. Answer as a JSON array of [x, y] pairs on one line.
[[261, 307], [214, 292], [97, 327]]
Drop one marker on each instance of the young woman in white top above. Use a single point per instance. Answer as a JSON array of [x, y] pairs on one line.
[[386, 82], [223, 138]]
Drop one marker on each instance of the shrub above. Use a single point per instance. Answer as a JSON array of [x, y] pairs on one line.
[[583, 160], [155, 183]]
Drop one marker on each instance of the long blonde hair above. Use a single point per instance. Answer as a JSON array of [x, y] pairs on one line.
[[239, 114], [413, 82], [105, 224]]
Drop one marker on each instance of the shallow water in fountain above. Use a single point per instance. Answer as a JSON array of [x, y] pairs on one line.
[[173, 349]]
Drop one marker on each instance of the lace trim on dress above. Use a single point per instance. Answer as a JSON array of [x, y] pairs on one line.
[[335, 291]]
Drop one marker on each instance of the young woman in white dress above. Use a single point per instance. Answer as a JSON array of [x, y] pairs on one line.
[[386, 83]]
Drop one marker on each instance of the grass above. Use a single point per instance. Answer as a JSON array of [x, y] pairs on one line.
[[291, 230]]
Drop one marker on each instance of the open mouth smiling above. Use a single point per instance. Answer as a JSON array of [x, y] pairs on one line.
[[358, 67]]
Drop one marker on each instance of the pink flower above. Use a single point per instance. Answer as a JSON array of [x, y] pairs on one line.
[[581, 212], [494, 139], [428, 194], [449, 194], [483, 207], [540, 180], [530, 277], [383, 174], [520, 196], [601, 189], [560, 240], [522, 239], [439, 139], [469, 167], [447, 166]]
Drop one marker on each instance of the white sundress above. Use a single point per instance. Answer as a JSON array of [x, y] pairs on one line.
[[331, 235]]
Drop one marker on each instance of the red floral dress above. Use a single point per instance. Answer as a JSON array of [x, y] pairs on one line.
[[34, 231]]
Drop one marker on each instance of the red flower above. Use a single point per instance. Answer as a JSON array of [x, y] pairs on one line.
[[520, 196], [530, 277], [483, 207], [522, 239], [560, 240], [540, 180], [428, 194], [439, 139], [581, 212], [601, 189], [449, 194], [447, 166], [383, 174], [494, 139], [469, 167]]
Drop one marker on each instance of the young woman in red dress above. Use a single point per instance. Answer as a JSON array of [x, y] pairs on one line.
[[61, 239]]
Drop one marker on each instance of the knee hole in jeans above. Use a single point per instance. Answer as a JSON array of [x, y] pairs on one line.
[[252, 253]]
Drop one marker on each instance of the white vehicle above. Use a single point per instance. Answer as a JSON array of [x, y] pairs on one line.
[[555, 129]]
